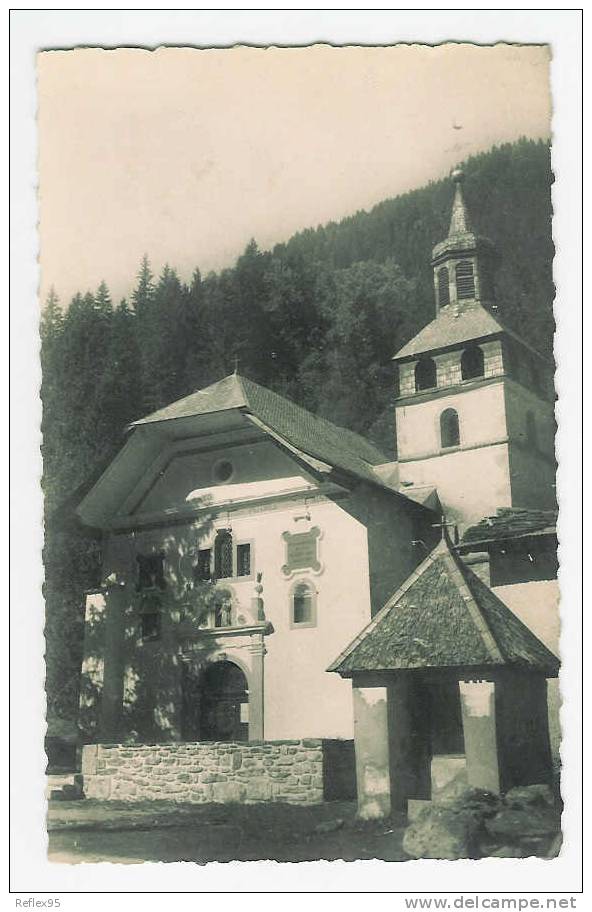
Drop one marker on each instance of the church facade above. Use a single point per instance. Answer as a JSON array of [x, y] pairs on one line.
[[248, 543]]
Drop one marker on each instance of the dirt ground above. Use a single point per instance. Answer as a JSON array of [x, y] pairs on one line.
[[132, 832]]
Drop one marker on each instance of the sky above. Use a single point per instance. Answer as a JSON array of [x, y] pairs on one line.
[[186, 154]]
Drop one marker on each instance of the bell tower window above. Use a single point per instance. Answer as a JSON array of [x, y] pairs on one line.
[[472, 363], [443, 287], [425, 374], [449, 429], [465, 280]]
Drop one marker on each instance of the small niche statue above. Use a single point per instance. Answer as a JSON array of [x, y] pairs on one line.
[[257, 601]]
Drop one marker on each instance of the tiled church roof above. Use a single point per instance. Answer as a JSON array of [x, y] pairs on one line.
[[456, 325], [317, 437], [444, 616]]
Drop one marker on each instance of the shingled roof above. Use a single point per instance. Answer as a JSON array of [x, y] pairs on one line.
[[452, 326], [444, 616], [456, 325], [510, 523], [317, 437]]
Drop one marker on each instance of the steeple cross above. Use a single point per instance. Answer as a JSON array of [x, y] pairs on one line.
[[443, 525]]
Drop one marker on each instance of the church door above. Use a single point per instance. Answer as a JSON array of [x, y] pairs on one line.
[[224, 703]]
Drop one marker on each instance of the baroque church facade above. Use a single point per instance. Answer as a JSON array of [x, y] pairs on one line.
[[257, 557]]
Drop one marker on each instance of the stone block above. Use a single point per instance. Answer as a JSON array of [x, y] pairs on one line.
[[207, 777], [97, 787], [259, 790], [228, 791]]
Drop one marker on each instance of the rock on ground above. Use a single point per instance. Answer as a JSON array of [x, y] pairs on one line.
[[443, 832]]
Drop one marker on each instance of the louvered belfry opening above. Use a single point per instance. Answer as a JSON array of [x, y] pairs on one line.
[[443, 287], [465, 280]]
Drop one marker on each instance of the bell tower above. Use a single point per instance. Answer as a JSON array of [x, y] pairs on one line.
[[475, 416], [464, 262]]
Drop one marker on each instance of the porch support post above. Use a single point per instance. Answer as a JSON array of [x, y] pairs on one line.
[[112, 699], [256, 688], [372, 751], [479, 728]]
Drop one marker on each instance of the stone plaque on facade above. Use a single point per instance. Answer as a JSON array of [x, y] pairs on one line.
[[301, 551]]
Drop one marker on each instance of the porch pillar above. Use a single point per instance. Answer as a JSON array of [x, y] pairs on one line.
[[256, 689], [112, 698], [479, 729], [372, 751]]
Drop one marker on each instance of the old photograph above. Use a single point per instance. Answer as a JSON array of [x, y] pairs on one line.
[[298, 441]]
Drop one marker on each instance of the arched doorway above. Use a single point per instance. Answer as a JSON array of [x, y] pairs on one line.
[[224, 700]]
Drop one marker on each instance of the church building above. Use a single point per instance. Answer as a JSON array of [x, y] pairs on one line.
[[259, 562]]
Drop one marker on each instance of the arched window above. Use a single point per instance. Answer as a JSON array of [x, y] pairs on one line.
[[223, 555], [449, 428], [425, 374], [443, 287], [465, 280], [303, 605], [472, 363]]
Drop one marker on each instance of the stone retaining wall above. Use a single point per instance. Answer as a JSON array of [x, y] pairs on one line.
[[293, 772]]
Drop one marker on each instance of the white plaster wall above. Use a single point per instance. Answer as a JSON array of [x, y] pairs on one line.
[[301, 698], [185, 474], [471, 484], [482, 419]]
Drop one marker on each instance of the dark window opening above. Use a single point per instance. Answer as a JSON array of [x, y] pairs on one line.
[[465, 280], [472, 363], [150, 617], [150, 626], [425, 374], [223, 555], [202, 572], [243, 560], [302, 604], [443, 287], [449, 428], [150, 572]]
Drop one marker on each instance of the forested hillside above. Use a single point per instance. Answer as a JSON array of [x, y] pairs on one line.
[[317, 319]]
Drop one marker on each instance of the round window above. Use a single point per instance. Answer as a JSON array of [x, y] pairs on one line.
[[223, 471]]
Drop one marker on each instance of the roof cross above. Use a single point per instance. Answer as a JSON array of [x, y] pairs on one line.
[[443, 526]]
